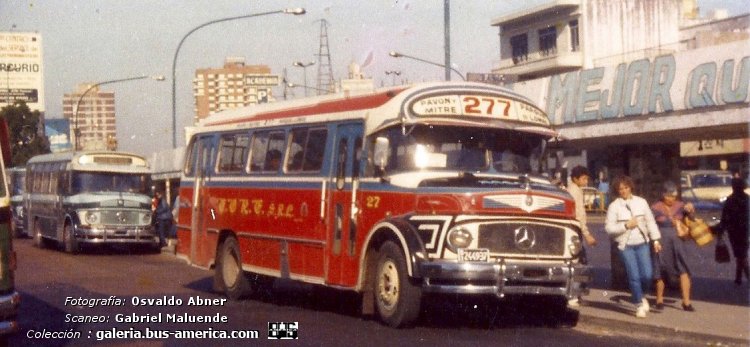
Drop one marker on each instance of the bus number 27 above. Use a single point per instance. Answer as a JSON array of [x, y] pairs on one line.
[[486, 106]]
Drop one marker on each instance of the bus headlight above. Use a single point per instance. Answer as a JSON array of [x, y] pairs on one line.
[[146, 218], [575, 245], [92, 217], [459, 238]]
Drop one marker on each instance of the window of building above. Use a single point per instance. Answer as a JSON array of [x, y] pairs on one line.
[[548, 41], [520, 46], [232, 152], [575, 43]]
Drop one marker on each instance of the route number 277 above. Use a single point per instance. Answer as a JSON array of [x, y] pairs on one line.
[[486, 106]]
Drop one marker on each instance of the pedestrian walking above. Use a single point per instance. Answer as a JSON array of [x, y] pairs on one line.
[[632, 227], [579, 177], [671, 261], [163, 215], [734, 221]]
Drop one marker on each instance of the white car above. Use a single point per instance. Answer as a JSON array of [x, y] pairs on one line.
[[711, 185]]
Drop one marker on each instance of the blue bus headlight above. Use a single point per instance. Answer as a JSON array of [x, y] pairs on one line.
[[146, 218], [92, 217]]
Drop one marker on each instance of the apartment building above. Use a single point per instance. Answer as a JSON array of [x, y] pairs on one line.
[[91, 113], [233, 85]]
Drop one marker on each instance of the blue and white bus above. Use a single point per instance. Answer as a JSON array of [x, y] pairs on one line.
[[77, 198]]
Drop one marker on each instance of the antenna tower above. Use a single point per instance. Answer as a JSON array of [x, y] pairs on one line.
[[325, 71]]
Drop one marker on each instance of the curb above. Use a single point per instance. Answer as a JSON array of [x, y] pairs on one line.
[[669, 333]]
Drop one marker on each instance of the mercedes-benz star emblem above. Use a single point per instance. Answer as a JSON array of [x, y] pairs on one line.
[[524, 238]]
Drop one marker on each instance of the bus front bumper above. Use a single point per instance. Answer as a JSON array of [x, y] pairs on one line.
[[505, 277], [8, 311], [105, 234]]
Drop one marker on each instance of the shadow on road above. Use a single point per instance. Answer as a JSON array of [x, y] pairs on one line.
[[441, 311]]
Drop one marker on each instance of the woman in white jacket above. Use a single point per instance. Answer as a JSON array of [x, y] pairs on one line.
[[631, 224]]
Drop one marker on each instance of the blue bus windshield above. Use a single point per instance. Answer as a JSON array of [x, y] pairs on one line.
[[87, 182]]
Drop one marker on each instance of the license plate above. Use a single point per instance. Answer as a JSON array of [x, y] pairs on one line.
[[474, 255]]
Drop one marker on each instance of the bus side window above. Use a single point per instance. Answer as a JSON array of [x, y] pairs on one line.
[[232, 153], [296, 155], [357, 157], [190, 159], [315, 149], [258, 150], [306, 149], [275, 149]]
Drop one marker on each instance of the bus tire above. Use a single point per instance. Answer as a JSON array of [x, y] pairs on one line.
[[69, 241], [229, 273], [397, 299], [38, 239]]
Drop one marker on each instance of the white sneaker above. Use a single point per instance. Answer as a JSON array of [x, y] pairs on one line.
[[645, 303], [573, 302], [641, 311]]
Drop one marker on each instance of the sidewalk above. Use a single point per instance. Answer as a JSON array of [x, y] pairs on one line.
[[722, 313], [710, 324]]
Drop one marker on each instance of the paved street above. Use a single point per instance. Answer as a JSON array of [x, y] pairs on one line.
[[46, 278]]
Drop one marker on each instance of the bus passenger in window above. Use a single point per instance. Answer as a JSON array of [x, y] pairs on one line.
[[273, 160]]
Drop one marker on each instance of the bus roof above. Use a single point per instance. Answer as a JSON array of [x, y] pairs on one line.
[[456, 103], [100, 161]]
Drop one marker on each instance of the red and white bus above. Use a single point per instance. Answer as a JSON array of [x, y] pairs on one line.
[[428, 188]]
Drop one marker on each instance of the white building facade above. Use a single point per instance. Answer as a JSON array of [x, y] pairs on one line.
[[635, 86]]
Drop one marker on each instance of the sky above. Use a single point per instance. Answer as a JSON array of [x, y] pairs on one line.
[[89, 41]]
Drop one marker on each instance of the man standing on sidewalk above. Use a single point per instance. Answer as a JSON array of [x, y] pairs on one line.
[[579, 177]]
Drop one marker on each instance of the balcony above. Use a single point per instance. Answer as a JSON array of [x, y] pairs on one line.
[[541, 63]]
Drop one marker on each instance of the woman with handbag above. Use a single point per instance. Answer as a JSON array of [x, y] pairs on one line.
[[669, 213], [631, 225], [734, 220]]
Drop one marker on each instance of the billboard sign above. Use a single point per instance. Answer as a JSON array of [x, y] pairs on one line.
[[21, 72]]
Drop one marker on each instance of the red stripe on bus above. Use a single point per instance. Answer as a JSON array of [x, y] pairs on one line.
[[333, 106]]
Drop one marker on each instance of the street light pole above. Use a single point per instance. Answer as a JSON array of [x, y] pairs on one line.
[[394, 73], [401, 55], [294, 11], [77, 130], [304, 70]]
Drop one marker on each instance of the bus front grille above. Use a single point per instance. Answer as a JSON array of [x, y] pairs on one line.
[[522, 238]]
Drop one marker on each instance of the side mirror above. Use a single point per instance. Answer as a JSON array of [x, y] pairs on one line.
[[380, 152]]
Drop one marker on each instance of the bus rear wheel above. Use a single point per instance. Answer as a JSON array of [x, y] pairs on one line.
[[397, 300], [229, 273], [69, 240]]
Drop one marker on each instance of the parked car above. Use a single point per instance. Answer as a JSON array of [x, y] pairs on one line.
[[711, 185]]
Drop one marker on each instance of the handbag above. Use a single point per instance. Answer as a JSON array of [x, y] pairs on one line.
[[683, 232], [699, 230], [721, 254]]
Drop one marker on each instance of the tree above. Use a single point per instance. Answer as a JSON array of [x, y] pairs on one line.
[[25, 141]]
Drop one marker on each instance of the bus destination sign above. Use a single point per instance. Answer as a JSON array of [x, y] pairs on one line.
[[479, 106]]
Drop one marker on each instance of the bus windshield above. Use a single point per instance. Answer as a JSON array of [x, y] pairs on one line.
[[464, 149], [87, 182]]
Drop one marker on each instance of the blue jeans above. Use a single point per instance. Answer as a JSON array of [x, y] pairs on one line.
[[637, 260]]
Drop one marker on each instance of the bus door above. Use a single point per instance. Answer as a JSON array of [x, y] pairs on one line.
[[342, 211], [203, 157]]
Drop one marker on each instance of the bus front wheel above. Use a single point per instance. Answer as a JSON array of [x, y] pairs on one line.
[[229, 271], [69, 240], [397, 300]]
